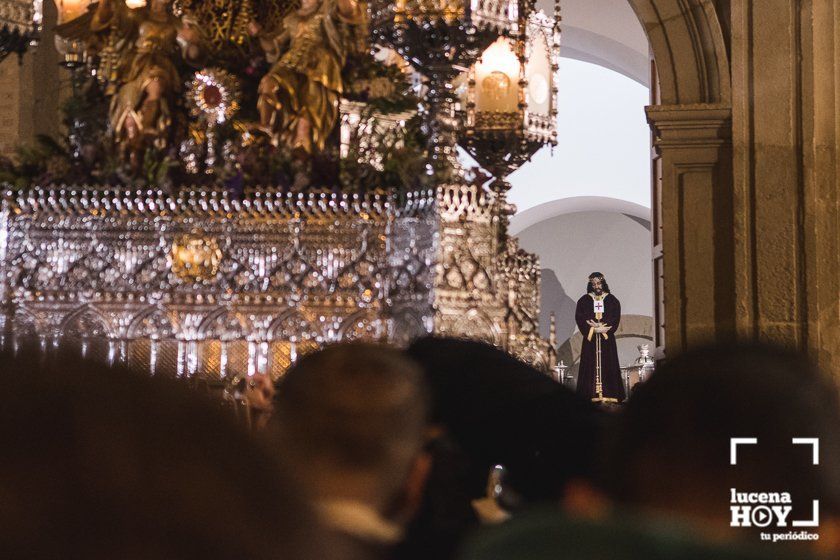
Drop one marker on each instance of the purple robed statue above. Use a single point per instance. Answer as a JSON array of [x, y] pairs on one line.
[[597, 316]]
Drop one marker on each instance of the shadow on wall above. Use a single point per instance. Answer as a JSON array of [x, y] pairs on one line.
[[554, 299]]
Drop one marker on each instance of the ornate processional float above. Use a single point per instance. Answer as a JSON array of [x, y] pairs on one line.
[[146, 238]]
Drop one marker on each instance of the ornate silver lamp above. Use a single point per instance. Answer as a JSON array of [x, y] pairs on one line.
[[73, 51], [20, 25], [441, 38], [510, 98]]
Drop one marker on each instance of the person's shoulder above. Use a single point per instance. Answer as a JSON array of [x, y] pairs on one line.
[[611, 296], [539, 535], [584, 298]]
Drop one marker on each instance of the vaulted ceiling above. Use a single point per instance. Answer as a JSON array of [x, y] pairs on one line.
[[604, 32]]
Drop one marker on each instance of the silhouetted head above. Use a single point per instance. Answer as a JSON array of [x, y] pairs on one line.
[[503, 411], [101, 463], [351, 422], [672, 454]]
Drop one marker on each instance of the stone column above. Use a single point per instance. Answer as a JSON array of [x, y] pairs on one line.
[[28, 86], [786, 125], [693, 222]]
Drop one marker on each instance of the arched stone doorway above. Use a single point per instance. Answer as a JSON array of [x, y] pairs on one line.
[[690, 116], [688, 41], [691, 120], [746, 129]]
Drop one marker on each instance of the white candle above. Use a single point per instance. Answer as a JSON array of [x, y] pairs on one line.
[[497, 79]]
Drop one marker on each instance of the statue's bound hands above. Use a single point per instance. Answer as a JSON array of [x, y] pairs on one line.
[[602, 328]]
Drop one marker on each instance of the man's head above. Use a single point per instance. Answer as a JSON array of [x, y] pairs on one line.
[[673, 451], [499, 410], [351, 422], [597, 284], [101, 463]]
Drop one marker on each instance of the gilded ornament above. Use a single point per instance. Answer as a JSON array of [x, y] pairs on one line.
[[496, 85], [320, 266], [213, 98], [213, 95], [225, 22], [143, 47], [195, 258], [299, 97]]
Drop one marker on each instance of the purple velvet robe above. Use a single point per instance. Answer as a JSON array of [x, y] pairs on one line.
[[610, 370]]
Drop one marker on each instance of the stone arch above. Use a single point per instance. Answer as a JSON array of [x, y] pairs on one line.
[[688, 43], [693, 191], [570, 205]]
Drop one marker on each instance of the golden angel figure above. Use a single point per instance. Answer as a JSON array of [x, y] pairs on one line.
[[147, 42], [299, 97]]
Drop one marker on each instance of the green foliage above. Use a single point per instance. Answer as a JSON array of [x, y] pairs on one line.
[[260, 163], [391, 157], [43, 161], [377, 156], [157, 168], [383, 87], [73, 158]]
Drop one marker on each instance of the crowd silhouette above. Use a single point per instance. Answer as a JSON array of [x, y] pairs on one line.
[[449, 449]]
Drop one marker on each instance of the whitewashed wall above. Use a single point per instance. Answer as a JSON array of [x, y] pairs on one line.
[[570, 247]]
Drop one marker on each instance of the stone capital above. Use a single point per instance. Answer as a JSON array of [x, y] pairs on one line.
[[702, 125]]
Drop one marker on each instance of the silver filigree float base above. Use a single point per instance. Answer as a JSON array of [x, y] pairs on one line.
[[202, 283]]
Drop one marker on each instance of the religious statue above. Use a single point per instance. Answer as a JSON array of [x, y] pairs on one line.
[[597, 316], [147, 43], [299, 96]]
